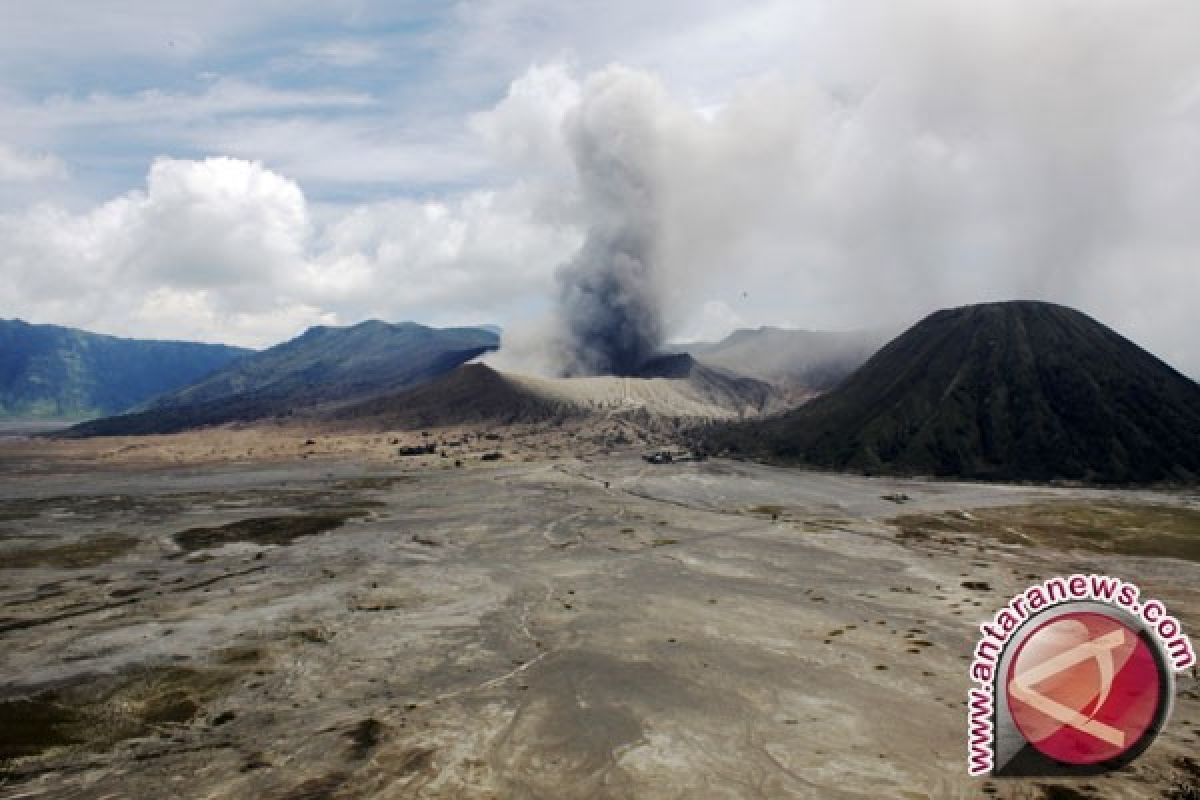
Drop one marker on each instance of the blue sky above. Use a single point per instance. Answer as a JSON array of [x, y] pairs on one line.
[[234, 171], [386, 86], [128, 82]]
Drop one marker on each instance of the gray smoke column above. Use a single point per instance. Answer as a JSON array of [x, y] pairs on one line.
[[609, 295]]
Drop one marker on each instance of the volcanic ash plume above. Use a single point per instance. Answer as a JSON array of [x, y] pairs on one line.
[[609, 295]]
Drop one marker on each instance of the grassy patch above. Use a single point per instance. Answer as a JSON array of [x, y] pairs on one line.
[[766, 510], [96, 712], [365, 736], [324, 788], [373, 483], [311, 635], [264, 530], [23, 508], [239, 655], [823, 524], [1052, 791], [87, 552], [1133, 529]]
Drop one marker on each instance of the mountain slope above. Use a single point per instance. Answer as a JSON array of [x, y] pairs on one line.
[[51, 371], [715, 386], [322, 367], [1019, 390], [809, 359], [671, 387], [473, 393], [329, 363]]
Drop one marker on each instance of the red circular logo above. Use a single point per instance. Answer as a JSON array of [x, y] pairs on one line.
[[1083, 688]]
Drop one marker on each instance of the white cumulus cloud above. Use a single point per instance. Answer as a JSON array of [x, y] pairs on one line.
[[21, 166], [226, 250]]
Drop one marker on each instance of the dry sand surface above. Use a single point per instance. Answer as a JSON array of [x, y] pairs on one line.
[[285, 614], [234, 445], [660, 396]]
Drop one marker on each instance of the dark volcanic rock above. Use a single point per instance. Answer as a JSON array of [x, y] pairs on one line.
[[1006, 391], [473, 393]]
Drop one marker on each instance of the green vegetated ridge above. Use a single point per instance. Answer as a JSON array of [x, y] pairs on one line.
[[324, 366], [47, 371]]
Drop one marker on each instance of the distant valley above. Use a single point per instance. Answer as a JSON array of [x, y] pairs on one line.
[[813, 360]]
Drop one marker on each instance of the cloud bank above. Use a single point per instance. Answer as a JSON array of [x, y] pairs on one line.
[[845, 165], [947, 156], [226, 250]]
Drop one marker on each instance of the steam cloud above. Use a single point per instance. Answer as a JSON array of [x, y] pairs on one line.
[[609, 294], [910, 158]]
